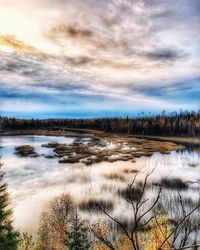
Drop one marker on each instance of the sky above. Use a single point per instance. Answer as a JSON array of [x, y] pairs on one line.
[[94, 58]]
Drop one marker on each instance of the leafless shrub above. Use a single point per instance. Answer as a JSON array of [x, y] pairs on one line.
[[145, 211]]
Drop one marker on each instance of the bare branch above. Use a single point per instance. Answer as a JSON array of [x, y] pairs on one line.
[[106, 242], [192, 211]]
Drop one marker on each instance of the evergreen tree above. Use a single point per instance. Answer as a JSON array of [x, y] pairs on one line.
[[77, 237], [9, 238]]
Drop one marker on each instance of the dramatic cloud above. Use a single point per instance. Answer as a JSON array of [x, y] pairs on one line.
[[98, 56]]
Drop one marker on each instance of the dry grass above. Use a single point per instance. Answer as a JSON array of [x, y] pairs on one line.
[[106, 187], [71, 160], [175, 183], [193, 165], [91, 205], [133, 193], [130, 171], [115, 176], [25, 150]]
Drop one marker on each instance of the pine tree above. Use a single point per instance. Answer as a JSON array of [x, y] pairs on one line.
[[77, 237], [9, 238]]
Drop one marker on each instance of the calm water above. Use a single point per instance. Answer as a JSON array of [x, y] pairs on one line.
[[34, 181]]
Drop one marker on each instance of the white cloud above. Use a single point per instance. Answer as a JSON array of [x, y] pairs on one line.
[[105, 47]]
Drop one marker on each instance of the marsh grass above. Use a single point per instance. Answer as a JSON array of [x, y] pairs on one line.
[[175, 183], [115, 176], [25, 150], [106, 187], [133, 193], [193, 165], [71, 160], [130, 171], [91, 205]]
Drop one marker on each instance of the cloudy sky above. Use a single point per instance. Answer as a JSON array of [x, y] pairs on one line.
[[74, 58]]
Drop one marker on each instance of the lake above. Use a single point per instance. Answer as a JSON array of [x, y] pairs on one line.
[[34, 181]]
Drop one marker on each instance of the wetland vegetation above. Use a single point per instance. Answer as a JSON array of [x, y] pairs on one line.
[[118, 189]]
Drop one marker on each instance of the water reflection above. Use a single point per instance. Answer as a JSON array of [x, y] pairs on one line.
[[34, 181]]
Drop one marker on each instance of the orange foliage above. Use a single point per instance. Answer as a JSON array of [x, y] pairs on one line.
[[101, 230], [159, 232], [123, 243]]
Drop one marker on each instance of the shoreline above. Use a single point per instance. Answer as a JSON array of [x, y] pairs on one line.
[[186, 141], [102, 147], [90, 133]]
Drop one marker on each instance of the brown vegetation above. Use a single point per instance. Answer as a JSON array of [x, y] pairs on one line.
[[91, 205], [174, 183], [25, 150], [115, 176], [54, 223]]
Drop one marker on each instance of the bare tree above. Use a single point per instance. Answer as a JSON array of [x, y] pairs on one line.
[[183, 229], [144, 212], [142, 208]]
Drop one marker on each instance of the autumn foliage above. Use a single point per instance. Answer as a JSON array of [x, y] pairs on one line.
[[160, 229]]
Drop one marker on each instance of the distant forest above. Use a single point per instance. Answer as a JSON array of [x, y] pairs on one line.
[[180, 124]]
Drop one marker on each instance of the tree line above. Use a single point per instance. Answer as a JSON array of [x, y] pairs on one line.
[[177, 123]]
